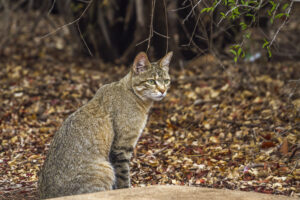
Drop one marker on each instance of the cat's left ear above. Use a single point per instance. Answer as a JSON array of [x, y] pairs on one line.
[[141, 63], [165, 61]]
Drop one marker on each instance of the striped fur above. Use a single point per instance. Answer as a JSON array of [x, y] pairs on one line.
[[92, 149]]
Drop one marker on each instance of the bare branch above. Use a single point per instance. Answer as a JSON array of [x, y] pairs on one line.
[[70, 23], [167, 28], [193, 33], [142, 42], [151, 25], [182, 8], [82, 38], [192, 10], [161, 35], [53, 4], [281, 26]]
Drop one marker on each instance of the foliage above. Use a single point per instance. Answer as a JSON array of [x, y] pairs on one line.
[[246, 14], [116, 30]]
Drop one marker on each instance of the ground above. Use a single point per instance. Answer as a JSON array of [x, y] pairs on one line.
[[222, 125]]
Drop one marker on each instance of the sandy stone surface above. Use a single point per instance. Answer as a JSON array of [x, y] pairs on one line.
[[175, 193]]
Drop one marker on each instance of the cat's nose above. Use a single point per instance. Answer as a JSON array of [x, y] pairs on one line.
[[162, 90]]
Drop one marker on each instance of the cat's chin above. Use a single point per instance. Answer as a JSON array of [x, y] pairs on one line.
[[158, 98]]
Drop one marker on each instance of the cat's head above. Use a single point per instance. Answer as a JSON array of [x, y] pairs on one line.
[[151, 81]]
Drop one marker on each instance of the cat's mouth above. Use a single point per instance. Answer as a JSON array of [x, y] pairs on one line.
[[158, 97]]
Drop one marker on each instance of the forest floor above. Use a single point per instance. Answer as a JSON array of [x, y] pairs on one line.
[[234, 126]]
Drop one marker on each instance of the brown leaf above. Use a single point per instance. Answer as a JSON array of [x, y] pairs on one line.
[[284, 149], [267, 144]]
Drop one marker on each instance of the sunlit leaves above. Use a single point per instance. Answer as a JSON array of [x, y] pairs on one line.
[[267, 46], [237, 51]]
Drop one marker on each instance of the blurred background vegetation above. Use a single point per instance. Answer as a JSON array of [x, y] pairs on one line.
[[115, 30]]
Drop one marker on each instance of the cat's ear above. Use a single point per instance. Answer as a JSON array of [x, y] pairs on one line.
[[165, 61], [141, 63]]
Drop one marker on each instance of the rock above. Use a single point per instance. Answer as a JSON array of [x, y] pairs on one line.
[[163, 192]]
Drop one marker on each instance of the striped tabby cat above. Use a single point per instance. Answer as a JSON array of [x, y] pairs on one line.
[[92, 149]]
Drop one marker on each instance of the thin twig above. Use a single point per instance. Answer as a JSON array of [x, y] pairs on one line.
[[217, 4], [151, 25], [295, 166], [192, 10], [82, 38], [167, 28], [193, 33], [281, 26], [70, 23], [188, 35], [159, 151], [177, 9], [142, 42], [161, 35], [53, 4]]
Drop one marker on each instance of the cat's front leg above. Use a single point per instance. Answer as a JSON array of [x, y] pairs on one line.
[[120, 158]]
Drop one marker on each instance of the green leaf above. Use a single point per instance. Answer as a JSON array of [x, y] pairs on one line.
[[236, 11], [233, 52], [265, 44], [269, 51], [243, 25], [279, 15], [235, 59], [207, 9], [231, 2], [254, 3], [239, 52], [248, 35], [235, 46], [274, 5], [204, 10], [285, 6]]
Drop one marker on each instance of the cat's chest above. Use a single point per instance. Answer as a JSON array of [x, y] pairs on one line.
[[142, 125], [139, 129], [138, 122]]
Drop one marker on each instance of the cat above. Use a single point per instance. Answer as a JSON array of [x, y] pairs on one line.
[[92, 149]]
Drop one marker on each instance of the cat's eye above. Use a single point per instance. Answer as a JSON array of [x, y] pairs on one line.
[[151, 81], [166, 81]]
